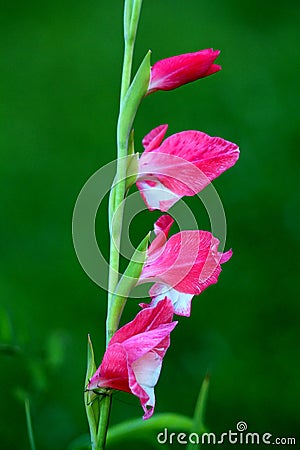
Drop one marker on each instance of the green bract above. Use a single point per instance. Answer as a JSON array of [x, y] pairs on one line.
[[91, 407], [132, 100]]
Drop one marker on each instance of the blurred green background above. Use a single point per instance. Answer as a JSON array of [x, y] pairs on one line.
[[60, 74]]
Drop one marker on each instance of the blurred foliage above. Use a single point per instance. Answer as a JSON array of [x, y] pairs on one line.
[[60, 73]]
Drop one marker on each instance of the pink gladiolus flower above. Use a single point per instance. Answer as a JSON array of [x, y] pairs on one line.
[[133, 359], [173, 72], [184, 164], [182, 266]]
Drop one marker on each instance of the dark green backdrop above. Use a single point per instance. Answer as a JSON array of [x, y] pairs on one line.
[[60, 75]]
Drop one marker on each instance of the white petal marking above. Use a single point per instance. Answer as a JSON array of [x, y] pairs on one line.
[[181, 300], [147, 370], [158, 196]]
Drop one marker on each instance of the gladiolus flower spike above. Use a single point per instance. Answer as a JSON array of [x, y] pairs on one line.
[[133, 359], [183, 164], [170, 73], [182, 266]]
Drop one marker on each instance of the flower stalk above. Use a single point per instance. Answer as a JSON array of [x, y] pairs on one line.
[[132, 10], [181, 266], [105, 407]]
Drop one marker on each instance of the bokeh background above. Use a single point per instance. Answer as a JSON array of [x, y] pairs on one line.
[[60, 74]]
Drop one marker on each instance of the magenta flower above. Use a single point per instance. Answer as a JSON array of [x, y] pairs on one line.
[[133, 359], [184, 164], [170, 73], [182, 266]]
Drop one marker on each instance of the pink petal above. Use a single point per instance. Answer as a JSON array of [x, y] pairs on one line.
[[173, 72], [188, 263], [154, 138], [145, 322], [226, 256], [213, 69], [161, 229], [140, 344], [213, 155], [163, 224], [133, 358], [184, 164], [113, 371]]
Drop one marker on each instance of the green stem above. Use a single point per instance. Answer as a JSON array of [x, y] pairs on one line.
[[92, 420], [105, 407], [127, 65], [132, 11], [118, 190], [116, 207]]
